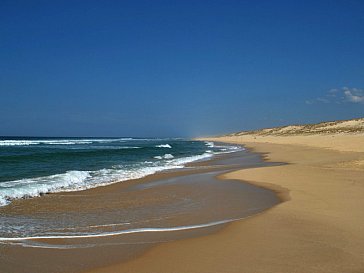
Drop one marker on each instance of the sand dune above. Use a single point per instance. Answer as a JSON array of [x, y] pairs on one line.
[[353, 126], [345, 135]]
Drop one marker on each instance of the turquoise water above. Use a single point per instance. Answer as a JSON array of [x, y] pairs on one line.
[[30, 167]]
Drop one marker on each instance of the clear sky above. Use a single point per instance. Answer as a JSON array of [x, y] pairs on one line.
[[177, 68]]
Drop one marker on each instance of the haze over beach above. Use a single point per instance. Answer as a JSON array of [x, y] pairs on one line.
[[181, 136]]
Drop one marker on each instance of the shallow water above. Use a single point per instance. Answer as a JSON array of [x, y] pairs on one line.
[[119, 221], [30, 167]]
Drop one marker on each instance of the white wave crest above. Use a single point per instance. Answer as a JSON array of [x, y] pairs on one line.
[[166, 156], [164, 146], [185, 160], [209, 144], [32, 187], [18, 142], [82, 180], [222, 149], [228, 149], [12, 142]]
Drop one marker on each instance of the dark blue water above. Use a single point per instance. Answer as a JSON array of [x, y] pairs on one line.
[[32, 166]]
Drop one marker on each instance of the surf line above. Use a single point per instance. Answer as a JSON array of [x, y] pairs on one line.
[[128, 231]]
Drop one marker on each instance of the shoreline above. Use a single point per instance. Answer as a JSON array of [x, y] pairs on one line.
[[319, 229], [155, 189], [281, 192]]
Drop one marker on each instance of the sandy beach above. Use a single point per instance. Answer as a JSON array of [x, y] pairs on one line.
[[293, 203], [318, 228], [181, 136], [163, 207]]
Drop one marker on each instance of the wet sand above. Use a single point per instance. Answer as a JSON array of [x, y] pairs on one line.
[[319, 227], [191, 198]]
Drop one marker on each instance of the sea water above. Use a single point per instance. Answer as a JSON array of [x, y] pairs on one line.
[[30, 167], [135, 214]]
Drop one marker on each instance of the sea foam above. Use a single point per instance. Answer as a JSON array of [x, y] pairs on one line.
[[82, 180], [76, 180], [164, 146], [121, 232], [166, 156], [59, 141], [209, 144]]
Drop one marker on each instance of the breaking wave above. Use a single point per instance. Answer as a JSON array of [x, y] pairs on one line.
[[82, 180], [58, 141], [164, 146]]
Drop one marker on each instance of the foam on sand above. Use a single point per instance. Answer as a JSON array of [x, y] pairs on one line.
[[121, 232]]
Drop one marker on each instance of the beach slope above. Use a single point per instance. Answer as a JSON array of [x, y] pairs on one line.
[[319, 227]]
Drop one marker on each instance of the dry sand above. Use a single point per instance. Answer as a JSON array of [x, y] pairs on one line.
[[320, 227]]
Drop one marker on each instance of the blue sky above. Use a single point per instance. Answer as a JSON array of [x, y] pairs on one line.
[[177, 68]]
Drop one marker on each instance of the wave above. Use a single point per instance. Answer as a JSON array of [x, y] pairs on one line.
[[76, 180], [209, 144], [185, 160], [166, 156], [121, 232], [59, 141], [164, 146], [228, 149], [222, 149]]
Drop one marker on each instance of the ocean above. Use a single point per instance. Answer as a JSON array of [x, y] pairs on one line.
[[30, 166], [126, 215]]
